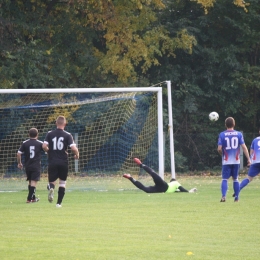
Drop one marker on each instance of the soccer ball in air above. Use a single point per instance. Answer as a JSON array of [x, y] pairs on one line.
[[213, 116]]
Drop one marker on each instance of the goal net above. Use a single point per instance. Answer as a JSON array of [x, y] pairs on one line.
[[110, 127]]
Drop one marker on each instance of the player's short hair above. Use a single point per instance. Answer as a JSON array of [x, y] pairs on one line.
[[230, 122], [33, 132], [172, 179], [61, 120]]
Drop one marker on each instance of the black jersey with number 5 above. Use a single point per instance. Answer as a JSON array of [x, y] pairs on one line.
[[31, 149], [58, 141]]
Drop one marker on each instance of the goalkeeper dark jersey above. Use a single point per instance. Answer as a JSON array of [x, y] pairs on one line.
[[58, 141], [31, 149]]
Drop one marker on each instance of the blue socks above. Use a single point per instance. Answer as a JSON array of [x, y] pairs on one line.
[[236, 189], [224, 187], [236, 186], [244, 183]]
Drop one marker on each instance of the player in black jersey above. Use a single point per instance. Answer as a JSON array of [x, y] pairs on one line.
[[56, 143], [32, 149]]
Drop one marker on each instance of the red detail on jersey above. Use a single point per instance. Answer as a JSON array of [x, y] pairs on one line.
[[237, 155], [225, 156]]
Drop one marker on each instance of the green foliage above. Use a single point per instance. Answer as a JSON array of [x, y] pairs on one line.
[[180, 163], [45, 46], [221, 74], [208, 49], [82, 43]]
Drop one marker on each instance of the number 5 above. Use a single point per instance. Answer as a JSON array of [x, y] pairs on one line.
[[32, 152]]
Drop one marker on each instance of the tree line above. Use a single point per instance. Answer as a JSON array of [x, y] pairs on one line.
[[208, 49]]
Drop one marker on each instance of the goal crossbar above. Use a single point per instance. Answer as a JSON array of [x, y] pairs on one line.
[[80, 90]]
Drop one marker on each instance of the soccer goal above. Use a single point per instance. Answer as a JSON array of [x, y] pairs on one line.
[[111, 126]]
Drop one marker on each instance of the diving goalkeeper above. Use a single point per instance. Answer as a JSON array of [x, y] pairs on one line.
[[160, 184]]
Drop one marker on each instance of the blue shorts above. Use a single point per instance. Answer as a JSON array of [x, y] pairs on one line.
[[254, 169], [230, 170]]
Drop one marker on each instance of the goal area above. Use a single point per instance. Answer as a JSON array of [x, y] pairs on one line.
[[109, 126]]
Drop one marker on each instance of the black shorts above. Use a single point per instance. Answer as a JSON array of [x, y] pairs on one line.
[[33, 175], [58, 171]]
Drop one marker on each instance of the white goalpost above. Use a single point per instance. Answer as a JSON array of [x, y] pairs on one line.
[[170, 128], [110, 125]]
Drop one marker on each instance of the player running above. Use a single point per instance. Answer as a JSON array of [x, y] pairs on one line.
[[32, 149], [229, 143], [254, 169], [56, 143], [160, 184]]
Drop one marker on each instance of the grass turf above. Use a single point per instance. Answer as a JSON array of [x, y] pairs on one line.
[[117, 221]]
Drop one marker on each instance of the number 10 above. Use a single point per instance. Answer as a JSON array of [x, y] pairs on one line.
[[232, 143]]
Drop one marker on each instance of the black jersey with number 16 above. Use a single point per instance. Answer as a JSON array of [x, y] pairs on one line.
[[58, 142]]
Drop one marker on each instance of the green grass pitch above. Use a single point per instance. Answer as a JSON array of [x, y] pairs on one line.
[[117, 221]]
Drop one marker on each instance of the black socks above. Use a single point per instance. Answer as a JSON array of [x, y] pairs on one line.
[[61, 193], [31, 194], [50, 186]]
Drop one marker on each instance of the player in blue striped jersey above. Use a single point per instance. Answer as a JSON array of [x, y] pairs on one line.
[[229, 143], [254, 169]]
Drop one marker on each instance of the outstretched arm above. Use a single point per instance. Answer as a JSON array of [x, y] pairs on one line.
[[182, 189]]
